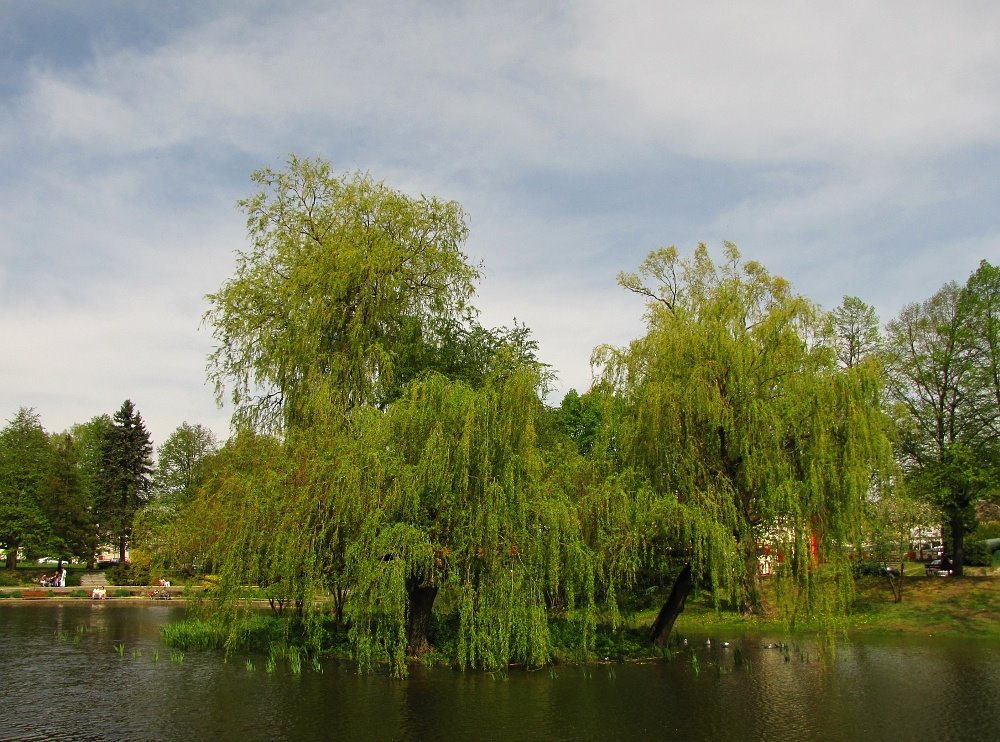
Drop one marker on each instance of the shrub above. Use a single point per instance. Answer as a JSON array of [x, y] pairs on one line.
[[977, 555], [129, 574]]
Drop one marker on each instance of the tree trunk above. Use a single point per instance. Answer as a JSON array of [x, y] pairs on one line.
[[339, 597], [121, 550], [957, 545], [683, 585], [418, 623], [750, 601], [895, 583], [12, 556]]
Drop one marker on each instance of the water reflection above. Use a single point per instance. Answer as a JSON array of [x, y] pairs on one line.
[[64, 679]]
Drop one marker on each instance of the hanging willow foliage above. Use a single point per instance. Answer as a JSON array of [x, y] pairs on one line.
[[734, 410], [444, 493], [468, 516], [342, 271]]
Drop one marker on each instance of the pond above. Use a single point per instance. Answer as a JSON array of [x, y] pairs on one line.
[[64, 678]]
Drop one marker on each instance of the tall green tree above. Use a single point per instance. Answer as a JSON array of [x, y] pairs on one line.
[[443, 492], [25, 466], [981, 307], [179, 463], [74, 533], [745, 427], [341, 270], [350, 315], [88, 448], [943, 370], [855, 329], [123, 484], [181, 467]]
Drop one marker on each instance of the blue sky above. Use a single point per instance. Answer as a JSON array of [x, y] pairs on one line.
[[852, 148]]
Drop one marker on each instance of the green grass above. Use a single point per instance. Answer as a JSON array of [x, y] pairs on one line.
[[966, 606], [957, 606]]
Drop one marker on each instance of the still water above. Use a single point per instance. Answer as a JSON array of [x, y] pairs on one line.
[[63, 678]]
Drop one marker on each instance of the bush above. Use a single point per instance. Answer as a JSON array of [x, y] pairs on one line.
[[977, 555], [10, 578], [129, 574]]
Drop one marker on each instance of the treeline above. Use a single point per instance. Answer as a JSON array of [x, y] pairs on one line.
[[395, 457], [66, 495]]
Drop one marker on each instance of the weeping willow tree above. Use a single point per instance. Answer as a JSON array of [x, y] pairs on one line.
[[442, 494], [359, 474], [342, 276], [749, 435], [470, 516]]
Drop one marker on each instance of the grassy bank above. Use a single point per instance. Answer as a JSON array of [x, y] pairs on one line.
[[966, 606]]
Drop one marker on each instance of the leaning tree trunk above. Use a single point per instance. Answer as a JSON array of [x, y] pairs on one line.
[[683, 585], [418, 623]]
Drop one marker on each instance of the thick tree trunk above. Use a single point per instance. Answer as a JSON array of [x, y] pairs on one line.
[[683, 585], [957, 546], [418, 624], [12, 557]]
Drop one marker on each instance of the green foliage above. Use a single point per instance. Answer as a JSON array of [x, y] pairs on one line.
[[88, 445], [986, 529], [581, 417], [67, 505], [123, 480], [343, 272], [855, 328], [179, 464], [747, 431], [944, 357], [253, 632], [26, 463], [981, 553], [129, 574], [408, 462], [443, 491], [183, 464]]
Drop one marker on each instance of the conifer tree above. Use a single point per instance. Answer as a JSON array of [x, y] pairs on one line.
[[123, 482]]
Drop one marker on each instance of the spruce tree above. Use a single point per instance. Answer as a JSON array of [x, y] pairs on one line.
[[124, 477]]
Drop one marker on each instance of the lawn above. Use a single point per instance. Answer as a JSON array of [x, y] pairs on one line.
[[966, 606]]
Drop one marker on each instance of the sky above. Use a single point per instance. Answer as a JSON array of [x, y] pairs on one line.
[[852, 148]]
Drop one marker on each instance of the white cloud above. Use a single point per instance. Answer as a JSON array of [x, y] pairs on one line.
[[851, 148], [789, 80]]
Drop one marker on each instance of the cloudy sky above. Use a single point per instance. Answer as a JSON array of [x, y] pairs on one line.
[[852, 147]]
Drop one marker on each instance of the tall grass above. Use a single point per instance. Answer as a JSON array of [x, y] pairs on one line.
[[194, 633]]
